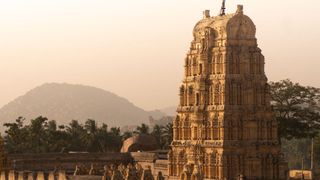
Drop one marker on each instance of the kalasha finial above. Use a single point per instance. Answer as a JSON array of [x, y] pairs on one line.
[[223, 8]]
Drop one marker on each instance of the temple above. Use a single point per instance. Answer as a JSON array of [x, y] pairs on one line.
[[225, 128], [2, 154]]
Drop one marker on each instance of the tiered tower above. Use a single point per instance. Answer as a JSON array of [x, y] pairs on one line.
[[2, 155], [225, 128]]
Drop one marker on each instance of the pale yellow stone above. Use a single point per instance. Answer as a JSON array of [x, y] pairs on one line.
[[3, 175], [62, 175], [20, 176], [11, 175], [51, 176], [40, 176], [30, 176], [225, 128], [2, 154]]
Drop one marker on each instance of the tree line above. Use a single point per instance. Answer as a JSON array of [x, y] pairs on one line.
[[296, 108], [46, 136]]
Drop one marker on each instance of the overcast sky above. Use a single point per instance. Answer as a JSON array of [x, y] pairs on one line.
[[136, 48]]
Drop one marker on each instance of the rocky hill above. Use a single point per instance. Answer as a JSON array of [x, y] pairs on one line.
[[170, 111], [65, 102]]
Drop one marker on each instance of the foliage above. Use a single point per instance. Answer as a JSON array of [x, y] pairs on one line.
[[44, 136], [143, 129], [163, 135], [296, 150], [296, 108]]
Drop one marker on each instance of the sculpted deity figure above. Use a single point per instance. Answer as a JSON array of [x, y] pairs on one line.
[[76, 171], [147, 174], [186, 173], [139, 170], [107, 173], [131, 173], [116, 175], [196, 175], [93, 171], [160, 176]]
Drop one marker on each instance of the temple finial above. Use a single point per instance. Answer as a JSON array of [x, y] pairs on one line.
[[223, 8]]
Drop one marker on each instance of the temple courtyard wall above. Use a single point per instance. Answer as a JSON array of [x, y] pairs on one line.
[[61, 166]]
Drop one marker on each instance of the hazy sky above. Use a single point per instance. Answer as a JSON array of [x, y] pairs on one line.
[[136, 48]]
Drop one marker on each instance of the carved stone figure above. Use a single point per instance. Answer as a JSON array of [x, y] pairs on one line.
[[3, 175], [107, 173], [139, 170], [76, 171], [93, 171], [160, 176], [147, 174], [30, 176], [51, 176], [62, 175], [116, 175], [196, 175], [186, 173], [2, 154], [131, 173]]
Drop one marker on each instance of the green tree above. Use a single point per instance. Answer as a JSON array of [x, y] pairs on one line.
[[103, 138], [167, 135], [57, 139], [76, 135], [115, 142], [126, 135], [16, 139], [91, 137], [37, 135], [142, 129], [158, 134], [296, 109]]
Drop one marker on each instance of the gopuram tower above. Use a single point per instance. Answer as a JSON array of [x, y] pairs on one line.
[[225, 129], [2, 155]]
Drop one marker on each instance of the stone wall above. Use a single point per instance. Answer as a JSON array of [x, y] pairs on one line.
[[78, 166], [66, 161]]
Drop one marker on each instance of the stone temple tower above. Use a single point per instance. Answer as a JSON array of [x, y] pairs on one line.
[[2, 155], [225, 128]]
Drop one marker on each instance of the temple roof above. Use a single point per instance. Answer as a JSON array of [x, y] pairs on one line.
[[141, 142], [232, 26]]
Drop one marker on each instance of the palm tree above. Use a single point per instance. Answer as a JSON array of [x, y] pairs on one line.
[[37, 134], [158, 134], [91, 135], [77, 135], [103, 138], [167, 135], [126, 135], [115, 139], [143, 129]]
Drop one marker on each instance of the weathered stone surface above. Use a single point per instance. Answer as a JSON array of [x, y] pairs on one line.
[[40, 176], [2, 154], [20, 176], [51, 176], [30, 176], [87, 177], [225, 126], [147, 174], [67, 161], [3, 175], [11, 175], [62, 175], [140, 142]]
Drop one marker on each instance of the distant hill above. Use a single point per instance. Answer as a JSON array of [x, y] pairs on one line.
[[170, 111], [65, 102]]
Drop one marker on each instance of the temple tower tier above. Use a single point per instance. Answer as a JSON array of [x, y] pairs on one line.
[[225, 128]]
